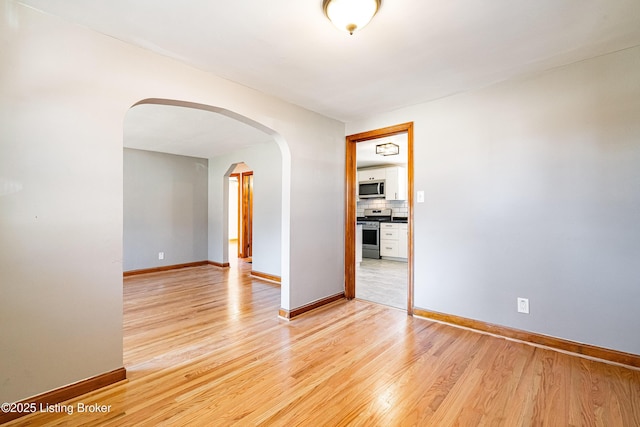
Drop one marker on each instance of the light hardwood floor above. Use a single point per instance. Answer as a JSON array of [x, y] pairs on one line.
[[204, 347]]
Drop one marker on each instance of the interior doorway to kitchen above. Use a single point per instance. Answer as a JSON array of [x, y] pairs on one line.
[[380, 204], [382, 220]]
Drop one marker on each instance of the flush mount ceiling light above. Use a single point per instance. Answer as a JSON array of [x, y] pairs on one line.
[[388, 149], [350, 15]]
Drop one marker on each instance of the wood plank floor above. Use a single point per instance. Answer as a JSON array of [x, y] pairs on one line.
[[204, 347]]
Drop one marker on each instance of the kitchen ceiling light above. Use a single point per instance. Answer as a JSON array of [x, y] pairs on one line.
[[350, 15], [388, 149]]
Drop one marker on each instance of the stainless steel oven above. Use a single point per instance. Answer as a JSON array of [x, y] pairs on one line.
[[371, 231], [370, 239]]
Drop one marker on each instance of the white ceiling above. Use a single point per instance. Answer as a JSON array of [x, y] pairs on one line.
[[366, 152], [413, 51]]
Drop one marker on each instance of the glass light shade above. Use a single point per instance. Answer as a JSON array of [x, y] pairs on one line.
[[388, 149], [350, 15]]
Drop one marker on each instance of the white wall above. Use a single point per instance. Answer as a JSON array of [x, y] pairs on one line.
[[532, 189], [265, 160], [64, 93], [234, 205], [165, 209]]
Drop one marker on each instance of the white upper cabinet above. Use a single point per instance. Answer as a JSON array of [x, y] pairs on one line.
[[372, 175], [396, 183]]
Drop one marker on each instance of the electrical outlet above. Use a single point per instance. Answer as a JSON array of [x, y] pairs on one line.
[[523, 305], [160, 255]]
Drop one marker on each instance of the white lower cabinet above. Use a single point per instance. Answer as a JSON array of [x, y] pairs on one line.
[[393, 240], [403, 240]]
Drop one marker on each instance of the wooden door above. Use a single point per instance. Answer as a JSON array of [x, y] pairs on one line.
[[245, 242]]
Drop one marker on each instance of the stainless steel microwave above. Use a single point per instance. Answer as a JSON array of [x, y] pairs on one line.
[[371, 189]]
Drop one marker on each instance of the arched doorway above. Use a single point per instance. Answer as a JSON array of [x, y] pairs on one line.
[[240, 221], [239, 136]]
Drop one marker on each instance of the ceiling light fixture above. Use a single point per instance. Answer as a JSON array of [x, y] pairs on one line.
[[350, 15], [388, 149]]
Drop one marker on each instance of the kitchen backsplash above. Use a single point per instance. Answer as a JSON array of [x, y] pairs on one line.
[[398, 207]]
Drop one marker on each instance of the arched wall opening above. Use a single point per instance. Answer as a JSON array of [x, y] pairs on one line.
[[239, 222], [240, 179], [269, 158]]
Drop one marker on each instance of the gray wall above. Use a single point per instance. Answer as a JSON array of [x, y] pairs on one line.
[[165, 209], [61, 206], [532, 189], [265, 160]]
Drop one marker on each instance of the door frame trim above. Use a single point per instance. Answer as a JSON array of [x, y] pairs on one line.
[[350, 206], [247, 214], [237, 176]]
